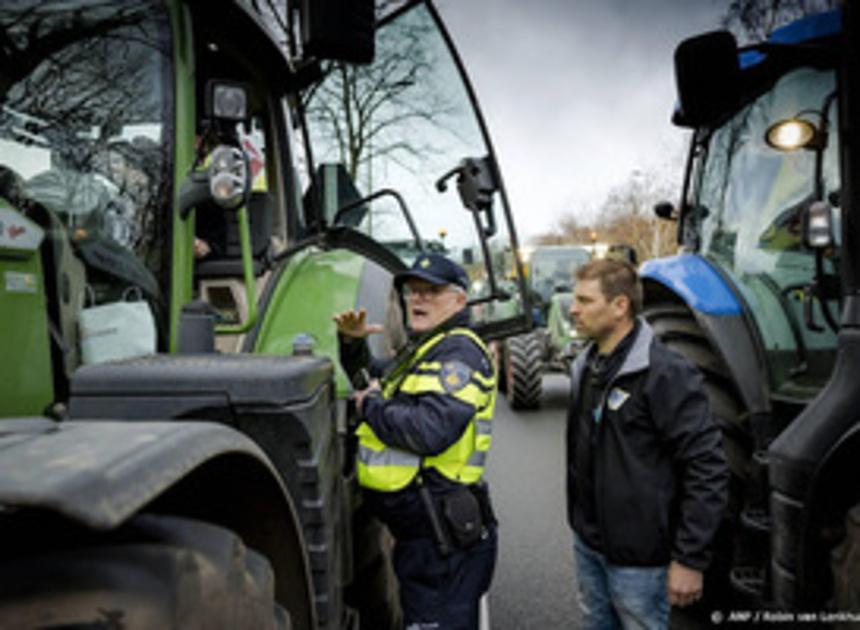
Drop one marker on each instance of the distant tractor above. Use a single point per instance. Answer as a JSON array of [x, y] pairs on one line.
[[553, 343]]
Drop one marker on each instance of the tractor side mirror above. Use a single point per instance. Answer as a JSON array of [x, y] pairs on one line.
[[476, 183], [338, 30], [707, 75], [665, 210]]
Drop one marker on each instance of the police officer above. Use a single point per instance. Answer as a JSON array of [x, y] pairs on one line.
[[423, 443]]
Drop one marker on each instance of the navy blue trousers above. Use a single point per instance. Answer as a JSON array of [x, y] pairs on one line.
[[442, 592]]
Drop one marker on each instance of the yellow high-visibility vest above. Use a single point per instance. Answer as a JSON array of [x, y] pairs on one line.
[[388, 469]]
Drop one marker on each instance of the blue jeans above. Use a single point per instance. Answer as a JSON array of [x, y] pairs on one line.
[[612, 596]]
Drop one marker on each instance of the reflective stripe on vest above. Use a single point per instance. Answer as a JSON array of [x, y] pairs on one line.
[[388, 469]]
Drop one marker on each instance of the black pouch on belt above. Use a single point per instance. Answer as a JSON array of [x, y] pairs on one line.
[[461, 512], [482, 493]]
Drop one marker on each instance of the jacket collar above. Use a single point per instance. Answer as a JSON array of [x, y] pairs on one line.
[[637, 359], [460, 319]]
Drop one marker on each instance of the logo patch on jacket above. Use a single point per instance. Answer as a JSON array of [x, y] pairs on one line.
[[616, 398], [454, 376]]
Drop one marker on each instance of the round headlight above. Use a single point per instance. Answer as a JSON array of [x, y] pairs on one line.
[[228, 176], [791, 134]]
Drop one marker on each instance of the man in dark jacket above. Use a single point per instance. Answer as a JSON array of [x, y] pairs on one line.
[[646, 474], [423, 444]]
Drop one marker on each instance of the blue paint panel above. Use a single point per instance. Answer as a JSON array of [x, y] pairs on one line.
[[696, 281], [802, 30]]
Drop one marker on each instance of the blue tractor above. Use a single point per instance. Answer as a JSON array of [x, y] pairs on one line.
[[764, 299]]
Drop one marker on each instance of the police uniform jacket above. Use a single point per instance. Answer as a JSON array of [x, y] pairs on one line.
[[425, 424], [652, 456]]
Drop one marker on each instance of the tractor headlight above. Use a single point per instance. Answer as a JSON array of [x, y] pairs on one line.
[[229, 102], [792, 134], [228, 176]]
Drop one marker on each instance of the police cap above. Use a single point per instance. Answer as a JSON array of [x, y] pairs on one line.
[[435, 269]]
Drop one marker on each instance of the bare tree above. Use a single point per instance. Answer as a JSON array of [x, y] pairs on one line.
[[755, 20], [625, 218], [365, 112]]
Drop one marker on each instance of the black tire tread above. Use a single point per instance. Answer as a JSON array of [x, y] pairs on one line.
[[525, 371], [156, 571], [845, 565]]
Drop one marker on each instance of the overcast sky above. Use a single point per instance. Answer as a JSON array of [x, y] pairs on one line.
[[577, 93]]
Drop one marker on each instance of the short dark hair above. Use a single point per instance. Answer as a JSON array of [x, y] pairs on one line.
[[616, 277]]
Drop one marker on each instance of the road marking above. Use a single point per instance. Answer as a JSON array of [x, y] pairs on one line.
[[484, 613]]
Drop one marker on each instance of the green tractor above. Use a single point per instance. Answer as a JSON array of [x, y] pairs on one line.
[[553, 344], [765, 302], [188, 191]]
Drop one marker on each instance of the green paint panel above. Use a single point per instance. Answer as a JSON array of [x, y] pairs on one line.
[[26, 380], [313, 287], [183, 230]]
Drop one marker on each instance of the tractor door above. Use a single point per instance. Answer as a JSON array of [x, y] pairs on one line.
[[402, 160]]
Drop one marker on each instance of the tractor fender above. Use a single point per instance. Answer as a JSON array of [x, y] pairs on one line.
[[326, 282], [99, 473], [720, 312], [696, 281]]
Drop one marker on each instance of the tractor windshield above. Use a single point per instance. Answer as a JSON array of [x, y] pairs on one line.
[[84, 90], [403, 123], [551, 269], [748, 209]]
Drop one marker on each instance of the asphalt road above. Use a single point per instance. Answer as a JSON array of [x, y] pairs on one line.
[[534, 585]]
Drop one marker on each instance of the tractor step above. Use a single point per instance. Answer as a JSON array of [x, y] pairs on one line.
[[749, 581], [756, 520]]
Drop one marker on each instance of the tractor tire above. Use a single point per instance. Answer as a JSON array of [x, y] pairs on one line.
[[154, 572], [845, 564], [374, 592], [524, 371]]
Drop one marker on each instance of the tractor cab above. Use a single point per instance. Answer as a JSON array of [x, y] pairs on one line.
[[165, 157], [763, 156], [404, 163]]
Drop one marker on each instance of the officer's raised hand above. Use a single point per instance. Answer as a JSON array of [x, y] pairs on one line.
[[353, 323]]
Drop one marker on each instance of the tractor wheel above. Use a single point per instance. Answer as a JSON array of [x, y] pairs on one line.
[[845, 563], [525, 371], [373, 592], [155, 572]]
